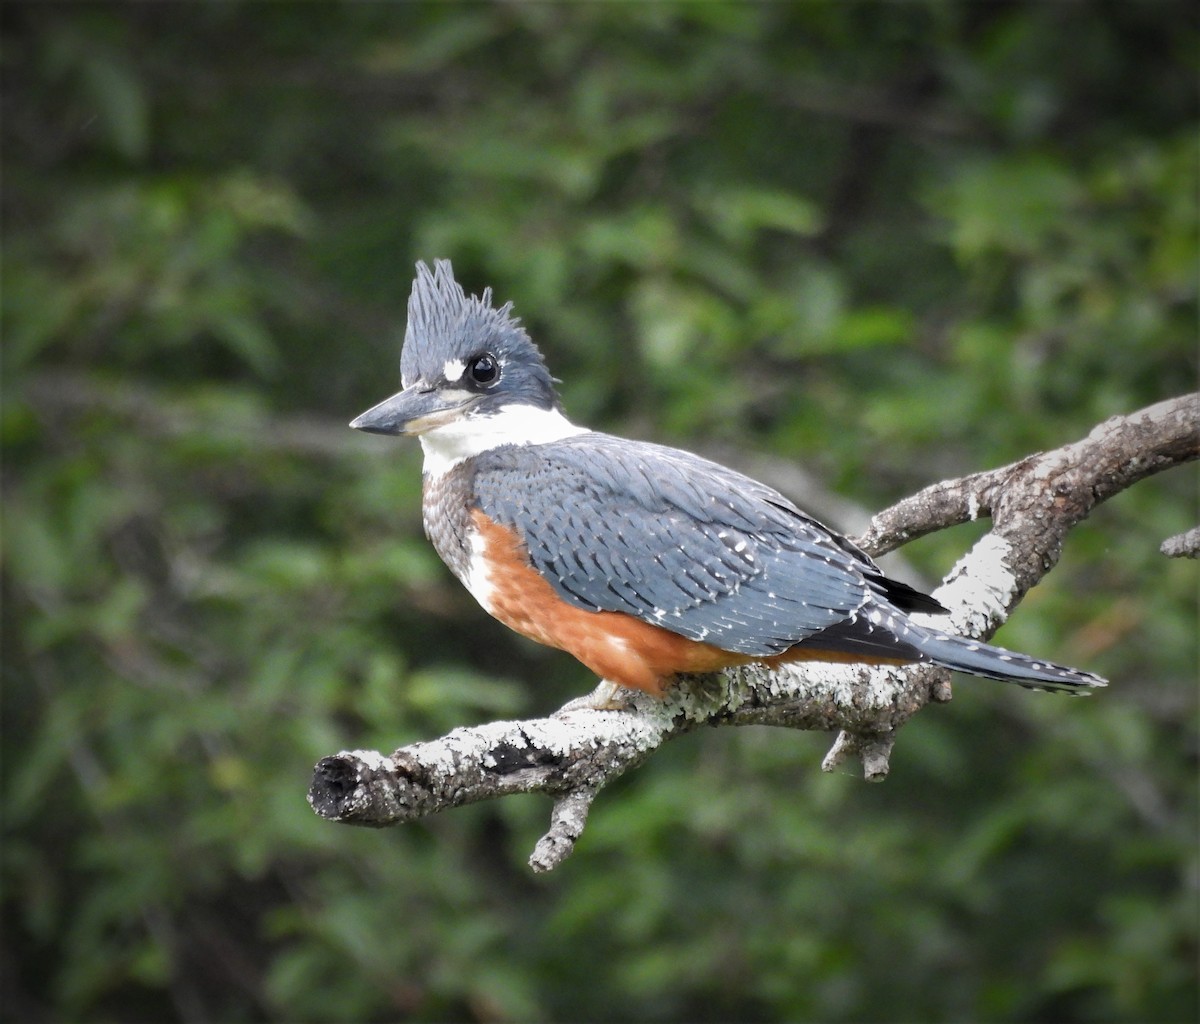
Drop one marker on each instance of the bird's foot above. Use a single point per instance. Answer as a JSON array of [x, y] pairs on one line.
[[607, 696]]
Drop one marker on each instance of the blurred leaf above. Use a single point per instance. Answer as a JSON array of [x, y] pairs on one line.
[[739, 213]]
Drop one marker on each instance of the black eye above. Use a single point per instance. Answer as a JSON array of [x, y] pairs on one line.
[[484, 369]]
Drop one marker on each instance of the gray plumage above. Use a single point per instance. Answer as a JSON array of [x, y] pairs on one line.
[[701, 550], [659, 534], [446, 325], [672, 539]]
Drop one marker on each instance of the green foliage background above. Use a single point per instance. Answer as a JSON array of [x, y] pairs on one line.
[[887, 242]]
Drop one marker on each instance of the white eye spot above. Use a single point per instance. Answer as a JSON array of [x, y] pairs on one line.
[[453, 370]]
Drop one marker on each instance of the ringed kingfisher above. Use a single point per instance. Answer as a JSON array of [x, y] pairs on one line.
[[643, 561]]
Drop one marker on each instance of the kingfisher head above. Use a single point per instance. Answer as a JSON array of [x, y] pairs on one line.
[[472, 378]]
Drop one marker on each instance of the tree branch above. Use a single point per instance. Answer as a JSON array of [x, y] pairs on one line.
[[1183, 545], [574, 753]]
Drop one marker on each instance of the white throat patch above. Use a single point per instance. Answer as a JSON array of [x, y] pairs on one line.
[[446, 446]]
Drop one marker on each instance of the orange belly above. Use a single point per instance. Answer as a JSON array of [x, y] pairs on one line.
[[617, 647]]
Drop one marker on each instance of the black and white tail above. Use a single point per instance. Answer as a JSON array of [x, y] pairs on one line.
[[979, 659]]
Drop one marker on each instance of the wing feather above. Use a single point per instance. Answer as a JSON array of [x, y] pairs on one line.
[[675, 540]]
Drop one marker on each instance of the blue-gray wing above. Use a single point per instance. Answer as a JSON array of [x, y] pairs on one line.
[[675, 540]]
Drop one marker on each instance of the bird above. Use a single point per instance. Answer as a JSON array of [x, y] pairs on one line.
[[643, 561]]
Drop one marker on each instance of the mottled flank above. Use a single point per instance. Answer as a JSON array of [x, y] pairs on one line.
[[621, 648]]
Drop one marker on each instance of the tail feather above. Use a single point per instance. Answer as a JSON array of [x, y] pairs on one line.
[[881, 633], [979, 659]]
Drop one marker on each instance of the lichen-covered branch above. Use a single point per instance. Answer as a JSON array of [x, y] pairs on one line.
[[1184, 545], [574, 753], [1115, 455]]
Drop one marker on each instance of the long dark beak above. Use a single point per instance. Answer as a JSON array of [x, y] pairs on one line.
[[415, 410]]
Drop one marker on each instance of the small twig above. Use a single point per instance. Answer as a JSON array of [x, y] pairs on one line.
[[566, 825], [1183, 545]]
